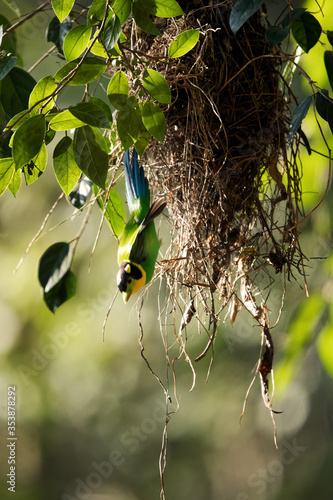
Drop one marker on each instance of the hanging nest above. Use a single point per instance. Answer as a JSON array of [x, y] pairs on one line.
[[233, 189]]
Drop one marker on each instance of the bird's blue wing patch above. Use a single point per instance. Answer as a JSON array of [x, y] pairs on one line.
[[137, 189]]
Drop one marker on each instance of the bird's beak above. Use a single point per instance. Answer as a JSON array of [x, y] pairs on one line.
[[126, 296]]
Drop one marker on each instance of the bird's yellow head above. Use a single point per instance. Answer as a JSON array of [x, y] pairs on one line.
[[130, 278]]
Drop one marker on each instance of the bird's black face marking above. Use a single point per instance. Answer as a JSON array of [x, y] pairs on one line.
[[126, 274]]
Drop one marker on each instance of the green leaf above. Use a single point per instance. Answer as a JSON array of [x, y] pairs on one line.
[[322, 103], [54, 264], [42, 90], [154, 120], [7, 63], [111, 32], [165, 8], [65, 121], [141, 10], [118, 89], [7, 169], [329, 35], [90, 157], [62, 8], [79, 196], [35, 167], [96, 12], [15, 183], [241, 12], [325, 343], [17, 120], [156, 86], [306, 30], [291, 16], [66, 170], [76, 41], [28, 140], [122, 9], [90, 114], [183, 43], [103, 106], [328, 59], [2, 118], [114, 212], [57, 31], [15, 90], [64, 290], [330, 115], [298, 116], [129, 121], [91, 69], [275, 35], [143, 140]]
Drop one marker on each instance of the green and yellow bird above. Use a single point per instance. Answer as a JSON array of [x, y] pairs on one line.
[[138, 244]]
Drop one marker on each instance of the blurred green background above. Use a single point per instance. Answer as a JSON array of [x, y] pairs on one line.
[[90, 415]]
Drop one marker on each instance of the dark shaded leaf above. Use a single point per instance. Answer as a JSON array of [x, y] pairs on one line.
[[91, 158], [129, 122], [292, 16], [122, 9], [328, 59], [91, 114], [330, 36], [57, 31], [15, 90], [54, 264], [111, 32], [8, 43], [298, 116], [322, 103], [96, 12], [103, 106], [114, 212], [306, 30], [275, 35], [64, 290], [141, 9], [241, 12], [7, 63]]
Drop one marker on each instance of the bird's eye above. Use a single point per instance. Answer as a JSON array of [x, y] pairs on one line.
[[129, 280]]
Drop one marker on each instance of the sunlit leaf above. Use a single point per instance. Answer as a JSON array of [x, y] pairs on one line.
[[154, 120], [183, 43], [15, 182], [89, 156], [28, 140], [65, 121], [306, 30], [96, 12], [42, 90], [118, 89], [122, 9], [35, 167], [241, 12], [114, 211], [322, 103], [66, 170], [165, 8], [91, 69], [76, 41], [62, 8], [7, 169], [156, 86]]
